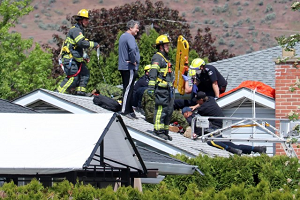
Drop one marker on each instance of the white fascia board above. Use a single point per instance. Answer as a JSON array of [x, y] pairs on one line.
[[161, 145], [171, 169], [153, 180], [246, 93], [43, 96]]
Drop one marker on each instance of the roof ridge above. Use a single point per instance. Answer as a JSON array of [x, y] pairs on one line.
[[246, 55]]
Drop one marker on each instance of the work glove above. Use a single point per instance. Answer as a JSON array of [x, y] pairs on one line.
[[150, 92], [195, 89], [86, 57], [186, 78]]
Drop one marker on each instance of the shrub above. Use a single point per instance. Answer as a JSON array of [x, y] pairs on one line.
[[197, 9], [221, 41], [269, 8], [231, 43], [270, 16]]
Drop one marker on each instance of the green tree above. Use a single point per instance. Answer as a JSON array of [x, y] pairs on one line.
[[22, 69]]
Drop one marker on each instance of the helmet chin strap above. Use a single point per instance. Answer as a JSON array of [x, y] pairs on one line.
[[163, 47]]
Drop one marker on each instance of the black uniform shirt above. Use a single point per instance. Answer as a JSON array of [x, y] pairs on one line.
[[211, 108], [142, 82], [206, 78]]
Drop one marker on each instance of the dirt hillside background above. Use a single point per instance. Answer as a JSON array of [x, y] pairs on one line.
[[240, 26]]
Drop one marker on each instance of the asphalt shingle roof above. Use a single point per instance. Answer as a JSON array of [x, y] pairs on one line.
[[194, 147], [256, 66], [7, 107]]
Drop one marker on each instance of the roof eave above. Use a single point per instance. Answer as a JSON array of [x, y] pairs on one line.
[[171, 169], [246, 93]]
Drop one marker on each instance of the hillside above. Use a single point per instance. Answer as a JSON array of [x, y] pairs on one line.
[[241, 26]]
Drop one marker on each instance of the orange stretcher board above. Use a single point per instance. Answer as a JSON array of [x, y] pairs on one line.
[[181, 63]]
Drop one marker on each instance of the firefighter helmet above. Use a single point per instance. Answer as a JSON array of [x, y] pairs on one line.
[[147, 67], [162, 39], [197, 63], [83, 13]]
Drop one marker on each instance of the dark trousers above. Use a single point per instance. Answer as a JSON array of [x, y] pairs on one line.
[[128, 79], [137, 96], [224, 145], [181, 103], [164, 100], [80, 80]]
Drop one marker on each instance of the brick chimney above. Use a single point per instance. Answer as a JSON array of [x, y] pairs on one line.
[[286, 75]]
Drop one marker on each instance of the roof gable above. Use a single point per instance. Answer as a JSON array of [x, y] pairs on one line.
[[247, 97], [53, 147]]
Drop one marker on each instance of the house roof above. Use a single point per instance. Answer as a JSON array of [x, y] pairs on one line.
[[254, 85], [248, 92], [140, 130], [61, 148], [256, 66], [164, 164], [245, 97], [7, 107]]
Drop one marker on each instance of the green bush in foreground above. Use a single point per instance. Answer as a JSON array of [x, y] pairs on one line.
[[260, 177]]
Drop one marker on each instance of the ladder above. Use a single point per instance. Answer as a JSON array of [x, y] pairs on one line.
[[285, 135]]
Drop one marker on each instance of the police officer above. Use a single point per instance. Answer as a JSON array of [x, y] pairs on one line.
[[209, 79], [209, 107], [161, 86], [73, 58], [139, 87]]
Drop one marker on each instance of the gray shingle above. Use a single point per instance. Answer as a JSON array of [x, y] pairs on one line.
[[256, 66], [7, 107]]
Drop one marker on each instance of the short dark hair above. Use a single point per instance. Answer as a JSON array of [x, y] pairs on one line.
[[132, 23]]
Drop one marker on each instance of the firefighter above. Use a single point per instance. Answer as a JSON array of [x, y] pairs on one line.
[[74, 57], [148, 106], [160, 85]]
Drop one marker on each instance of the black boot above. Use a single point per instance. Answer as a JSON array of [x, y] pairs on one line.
[[234, 151], [260, 149], [80, 93], [161, 134], [167, 134]]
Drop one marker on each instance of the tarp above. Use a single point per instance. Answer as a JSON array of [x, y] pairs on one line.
[[259, 86]]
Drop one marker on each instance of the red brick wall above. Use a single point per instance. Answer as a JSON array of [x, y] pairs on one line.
[[286, 101]]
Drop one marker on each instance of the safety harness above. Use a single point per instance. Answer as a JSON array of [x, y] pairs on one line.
[[161, 82], [68, 44]]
